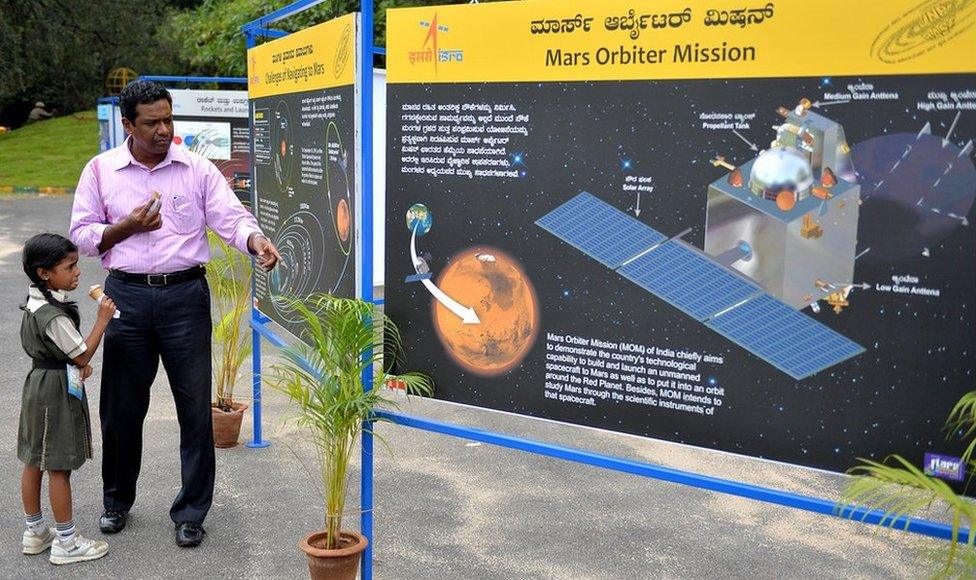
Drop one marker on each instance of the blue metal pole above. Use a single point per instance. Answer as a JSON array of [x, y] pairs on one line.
[[284, 12], [115, 122], [256, 442], [269, 32], [365, 57], [775, 496], [188, 80]]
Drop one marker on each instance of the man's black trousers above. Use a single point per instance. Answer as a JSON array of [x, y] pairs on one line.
[[169, 323]]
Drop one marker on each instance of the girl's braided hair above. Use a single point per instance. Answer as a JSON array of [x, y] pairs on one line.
[[46, 251]]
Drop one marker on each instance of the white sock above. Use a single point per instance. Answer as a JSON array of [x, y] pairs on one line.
[[35, 523], [66, 532]]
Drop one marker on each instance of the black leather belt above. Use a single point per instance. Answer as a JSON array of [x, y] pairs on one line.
[[49, 364], [160, 279]]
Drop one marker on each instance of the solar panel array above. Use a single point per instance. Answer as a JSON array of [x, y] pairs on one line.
[[792, 342], [599, 230], [723, 300], [687, 279]]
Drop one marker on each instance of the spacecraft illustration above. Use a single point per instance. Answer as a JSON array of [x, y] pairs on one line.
[[788, 218], [780, 235]]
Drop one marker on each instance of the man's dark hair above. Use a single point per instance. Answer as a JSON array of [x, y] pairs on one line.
[[141, 92]]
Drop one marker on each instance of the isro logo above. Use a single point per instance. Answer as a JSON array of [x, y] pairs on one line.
[[944, 467], [430, 50]]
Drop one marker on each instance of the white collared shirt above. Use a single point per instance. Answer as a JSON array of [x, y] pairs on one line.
[[61, 329]]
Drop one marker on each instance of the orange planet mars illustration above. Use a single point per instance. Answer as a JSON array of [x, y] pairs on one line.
[[342, 220], [494, 284]]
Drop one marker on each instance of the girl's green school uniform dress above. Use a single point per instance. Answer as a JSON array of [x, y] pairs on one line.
[[55, 426]]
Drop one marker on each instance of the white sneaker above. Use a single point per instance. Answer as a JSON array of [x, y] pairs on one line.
[[37, 543], [78, 549]]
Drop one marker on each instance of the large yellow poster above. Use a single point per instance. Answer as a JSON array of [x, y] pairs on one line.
[[744, 225], [627, 40]]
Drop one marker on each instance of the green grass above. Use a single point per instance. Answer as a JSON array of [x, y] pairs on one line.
[[49, 153]]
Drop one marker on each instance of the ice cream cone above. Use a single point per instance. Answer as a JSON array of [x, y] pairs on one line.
[[98, 294]]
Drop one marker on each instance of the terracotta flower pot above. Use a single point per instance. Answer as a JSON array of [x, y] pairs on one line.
[[227, 425], [341, 563]]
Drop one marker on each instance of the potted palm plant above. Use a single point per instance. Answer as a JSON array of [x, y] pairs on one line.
[[229, 278], [322, 375]]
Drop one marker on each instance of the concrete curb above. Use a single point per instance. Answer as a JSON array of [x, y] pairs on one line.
[[49, 190]]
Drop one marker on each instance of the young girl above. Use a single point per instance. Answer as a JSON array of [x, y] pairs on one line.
[[55, 428]]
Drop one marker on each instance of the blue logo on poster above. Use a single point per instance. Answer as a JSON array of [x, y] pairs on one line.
[[944, 467]]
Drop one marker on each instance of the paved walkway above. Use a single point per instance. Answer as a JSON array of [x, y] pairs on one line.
[[445, 508]]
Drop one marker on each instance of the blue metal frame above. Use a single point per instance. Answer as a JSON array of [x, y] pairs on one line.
[[279, 14], [260, 329], [730, 487], [114, 102], [190, 80], [269, 32], [365, 57], [257, 319]]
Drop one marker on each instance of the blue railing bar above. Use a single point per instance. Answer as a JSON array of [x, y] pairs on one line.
[[379, 301], [812, 504], [268, 32], [379, 50], [173, 79], [285, 12], [276, 341], [267, 333]]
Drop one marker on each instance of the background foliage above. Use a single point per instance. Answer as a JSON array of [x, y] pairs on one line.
[[60, 51]]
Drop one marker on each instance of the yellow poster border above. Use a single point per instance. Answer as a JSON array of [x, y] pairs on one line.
[[319, 57], [555, 40]]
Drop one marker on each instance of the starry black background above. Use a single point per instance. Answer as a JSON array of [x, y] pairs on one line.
[[891, 399], [323, 246]]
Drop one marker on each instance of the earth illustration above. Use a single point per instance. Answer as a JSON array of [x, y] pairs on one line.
[[418, 216], [502, 296]]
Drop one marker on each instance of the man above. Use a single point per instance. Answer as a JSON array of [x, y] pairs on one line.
[[155, 253], [38, 113]]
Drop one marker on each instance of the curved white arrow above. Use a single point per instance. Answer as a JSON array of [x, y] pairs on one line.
[[466, 314]]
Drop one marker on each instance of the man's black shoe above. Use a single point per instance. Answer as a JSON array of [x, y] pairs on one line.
[[189, 534], [113, 521]]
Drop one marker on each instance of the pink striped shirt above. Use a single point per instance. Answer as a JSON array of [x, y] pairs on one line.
[[195, 196]]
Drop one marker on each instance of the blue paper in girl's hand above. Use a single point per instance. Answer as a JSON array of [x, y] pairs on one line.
[[76, 386]]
